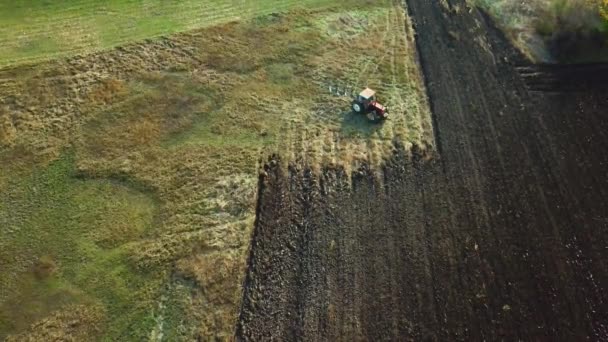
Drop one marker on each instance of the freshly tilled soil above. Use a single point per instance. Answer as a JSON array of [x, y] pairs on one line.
[[500, 235]]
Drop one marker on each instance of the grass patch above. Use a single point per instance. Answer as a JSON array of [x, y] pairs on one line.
[[37, 30], [210, 133], [61, 245]]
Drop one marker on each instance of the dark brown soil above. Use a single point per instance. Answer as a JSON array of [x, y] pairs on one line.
[[501, 236]]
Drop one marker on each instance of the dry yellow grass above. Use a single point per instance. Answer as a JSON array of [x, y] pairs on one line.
[[73, 323], [186, 119]]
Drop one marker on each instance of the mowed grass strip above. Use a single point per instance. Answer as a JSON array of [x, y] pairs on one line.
[[37, 30]]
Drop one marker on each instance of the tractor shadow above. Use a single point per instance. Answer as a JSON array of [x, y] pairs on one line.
[[357, 125]]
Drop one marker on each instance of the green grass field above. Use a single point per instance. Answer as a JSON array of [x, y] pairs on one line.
[[128, 176], [75, 231], [36, 30]]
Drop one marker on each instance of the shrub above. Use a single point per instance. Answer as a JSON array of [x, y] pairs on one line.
[[604, 13], [573, 29]]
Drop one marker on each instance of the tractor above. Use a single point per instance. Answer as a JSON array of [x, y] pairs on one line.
[[366, 103]]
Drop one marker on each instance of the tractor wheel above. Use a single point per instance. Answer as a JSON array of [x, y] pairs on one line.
[[357, 107]]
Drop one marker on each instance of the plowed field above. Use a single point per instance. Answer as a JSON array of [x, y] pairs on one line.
[[499, 235]]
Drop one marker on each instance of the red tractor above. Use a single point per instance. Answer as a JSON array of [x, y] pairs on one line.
[[367, 104]]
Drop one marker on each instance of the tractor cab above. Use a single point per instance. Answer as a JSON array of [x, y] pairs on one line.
[[366, 103], [367, 96]]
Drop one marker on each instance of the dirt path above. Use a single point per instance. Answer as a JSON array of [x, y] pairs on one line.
[[503, 235]]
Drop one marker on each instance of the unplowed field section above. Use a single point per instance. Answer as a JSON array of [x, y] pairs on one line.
[[34, 31], [503, 235]]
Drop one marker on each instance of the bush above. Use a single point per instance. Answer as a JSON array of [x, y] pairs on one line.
[[575, 30], [604, 13]]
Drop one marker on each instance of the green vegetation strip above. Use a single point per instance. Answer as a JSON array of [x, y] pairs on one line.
[[61, 240], [36, 30]]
